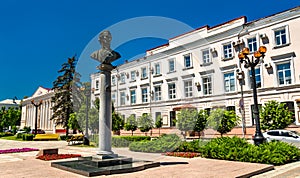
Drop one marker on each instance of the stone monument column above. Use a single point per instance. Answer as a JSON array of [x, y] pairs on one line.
[[105, 110], [105, 56]]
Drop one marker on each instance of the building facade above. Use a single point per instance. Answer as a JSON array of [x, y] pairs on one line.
[[201, 69], [44, 113]]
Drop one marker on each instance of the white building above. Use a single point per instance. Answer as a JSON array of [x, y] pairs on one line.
[[44, 114], [201, 69], [8, 103]]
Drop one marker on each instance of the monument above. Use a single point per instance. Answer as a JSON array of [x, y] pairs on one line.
[[105, 162], [105, 56]]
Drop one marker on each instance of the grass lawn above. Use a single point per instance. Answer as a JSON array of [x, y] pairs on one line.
[[92, 145], [11, 138]]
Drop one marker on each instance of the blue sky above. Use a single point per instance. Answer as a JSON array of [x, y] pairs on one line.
[[36, 36]]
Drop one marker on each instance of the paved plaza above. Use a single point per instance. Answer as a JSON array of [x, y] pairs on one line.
[[16, 165]]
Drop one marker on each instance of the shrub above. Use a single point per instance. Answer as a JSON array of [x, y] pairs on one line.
[[20, 135], [193, 146], [124, 141], [163, 144], [4, 134], [27, 137], [238, 149], [64, 137]]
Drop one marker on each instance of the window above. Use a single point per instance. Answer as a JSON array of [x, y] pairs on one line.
[[227, 50], [206, 56], [144, 95], [187, 61], [157, 114], [157, 93], [291, 107], [252, 44], [172, 91], [122, 77], [113, 97], [97, 84], [207, 111], [207, 85], [172, 65], [252, 114], [229, 82], [113, 80], [230, 108], [284, 74], [188, 88], [144, 72], [132, 97], [257, 78], [157, 69], [273, 133], [281, 36], [132, 75], [122, 98], [172, 118]]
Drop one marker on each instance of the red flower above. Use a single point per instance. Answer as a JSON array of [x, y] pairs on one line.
[[57, 156]]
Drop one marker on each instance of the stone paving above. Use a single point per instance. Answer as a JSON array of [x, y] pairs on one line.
[[16, 165]]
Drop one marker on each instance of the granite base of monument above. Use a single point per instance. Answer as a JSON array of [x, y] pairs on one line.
[[93, 166]]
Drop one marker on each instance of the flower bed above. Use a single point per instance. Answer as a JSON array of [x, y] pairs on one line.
[[183, 154], [17, 150], [57, 156]]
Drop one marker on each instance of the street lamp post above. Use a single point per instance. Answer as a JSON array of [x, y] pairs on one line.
[[86, 93], [252, 62], [36, 113]]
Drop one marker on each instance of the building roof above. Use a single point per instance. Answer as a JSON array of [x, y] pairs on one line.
[[10, 102]]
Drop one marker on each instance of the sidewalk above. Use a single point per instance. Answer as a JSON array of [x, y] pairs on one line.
[[25, 165]]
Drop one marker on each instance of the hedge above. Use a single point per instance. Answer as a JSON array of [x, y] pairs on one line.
[[124, 141]]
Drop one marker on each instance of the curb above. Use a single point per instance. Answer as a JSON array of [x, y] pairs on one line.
[[260, 171], [279, 170]]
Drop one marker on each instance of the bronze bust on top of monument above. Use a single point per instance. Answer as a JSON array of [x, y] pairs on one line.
[[105, 55]]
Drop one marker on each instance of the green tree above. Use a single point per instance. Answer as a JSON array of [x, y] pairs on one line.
[[73, 123], [117, 122], [186, 119], [223, 121], [158, 123], [2, 112], [201, 121], [62, 99], [94, 120], [275, 115], [145, 123], [131, 124], [9, 117]]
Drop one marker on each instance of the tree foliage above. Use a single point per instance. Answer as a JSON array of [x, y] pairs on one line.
[[201, 121], [131, 124], [158, 123], [62, 99], [275, 115], [223, 121], [73, 123], [186, 120], [145, 122], [9, 117], [117, 122]]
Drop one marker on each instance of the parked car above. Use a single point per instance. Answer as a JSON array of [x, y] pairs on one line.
[[282, 135], [8, 131], [39, 131], [21, 131]]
